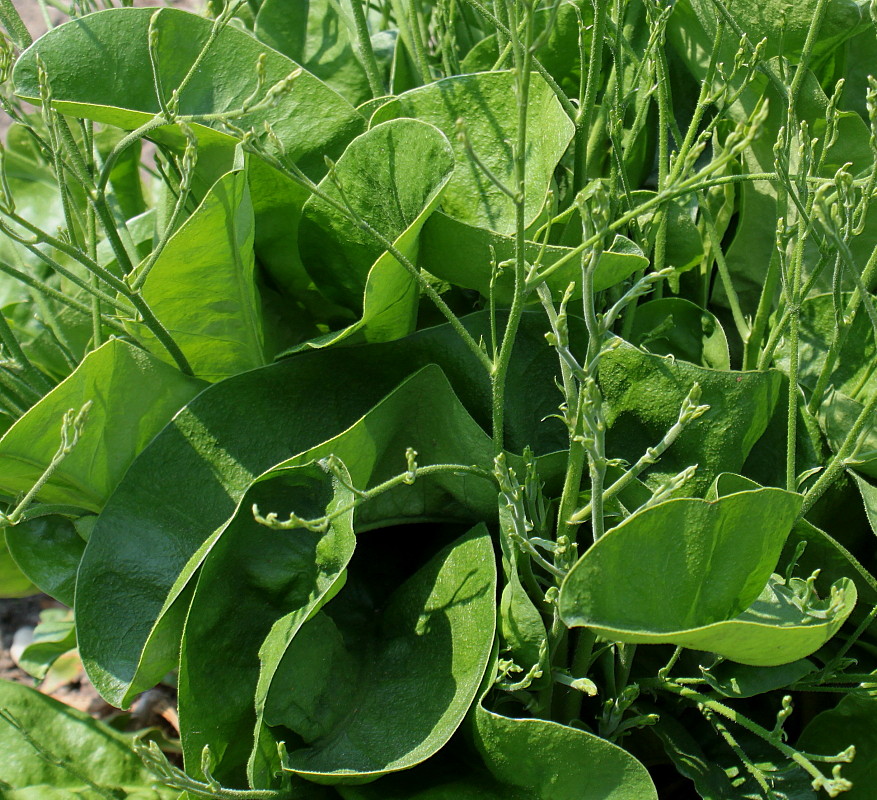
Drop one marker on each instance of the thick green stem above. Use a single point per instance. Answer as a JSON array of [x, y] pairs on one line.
[[366, 51], [523, 59], [585, 114]]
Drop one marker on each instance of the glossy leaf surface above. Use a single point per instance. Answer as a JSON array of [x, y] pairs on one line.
[[706, 584], [48, 549], [556, 762], [205, 460], [850, 722], [271, 621], [673, 326], [133, 396], [110, 80], [485, 103], [644, 393], [202, 288], [475, 249], [319, 35], [421, 665], [392, 177], [102, 754]]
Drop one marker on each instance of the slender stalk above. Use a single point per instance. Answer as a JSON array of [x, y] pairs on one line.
[[584, 117], [418, 42], [838, 462], [794, 306], [804, 64], [561, 95], [366, 51], [724, 273], [19, 387], [42, 288], [840, 334], [803, 760], [12, 21], [161, 333], [499, 372]]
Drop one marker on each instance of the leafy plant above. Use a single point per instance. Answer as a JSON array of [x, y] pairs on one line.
[[455, 399]]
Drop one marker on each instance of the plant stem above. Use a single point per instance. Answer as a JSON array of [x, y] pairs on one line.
[[499, 373], [585, 113], [366, 51]]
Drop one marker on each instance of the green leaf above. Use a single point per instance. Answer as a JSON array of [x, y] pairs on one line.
[[786, 26], [48, 550], [204, 461], [54, 636], [684, 245], [486, 103], [252, 579], [90, 748], [677, 327], [463, 255], [643, 394], [742, 680], [317, 35], [853, 372], [837, 414], [549, 761], [521, 627], [393, 177], [869, 499], [32, 183], [707, 563], [133, 396], [704, 559], [444, 781], [202, 287], [850, 722], [558, 49], [436, 631], [253, 612], [99, 68], [685, 751], [13, 582]]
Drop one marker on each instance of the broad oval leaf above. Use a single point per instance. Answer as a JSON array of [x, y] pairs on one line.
[[485, 102], [392, 177], [98, 752], [48, 550], [13, 582], [131, 593], [837, 415], [463, 254], [202, 287], [549, 761], [269, 623], [785, 25], [853, 371], [99, 68], [853, 721], [448, 782], [319, 35], [133, 396], [643, 393], [255, 578], [420, 665], [678, 327], [679, 565]]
